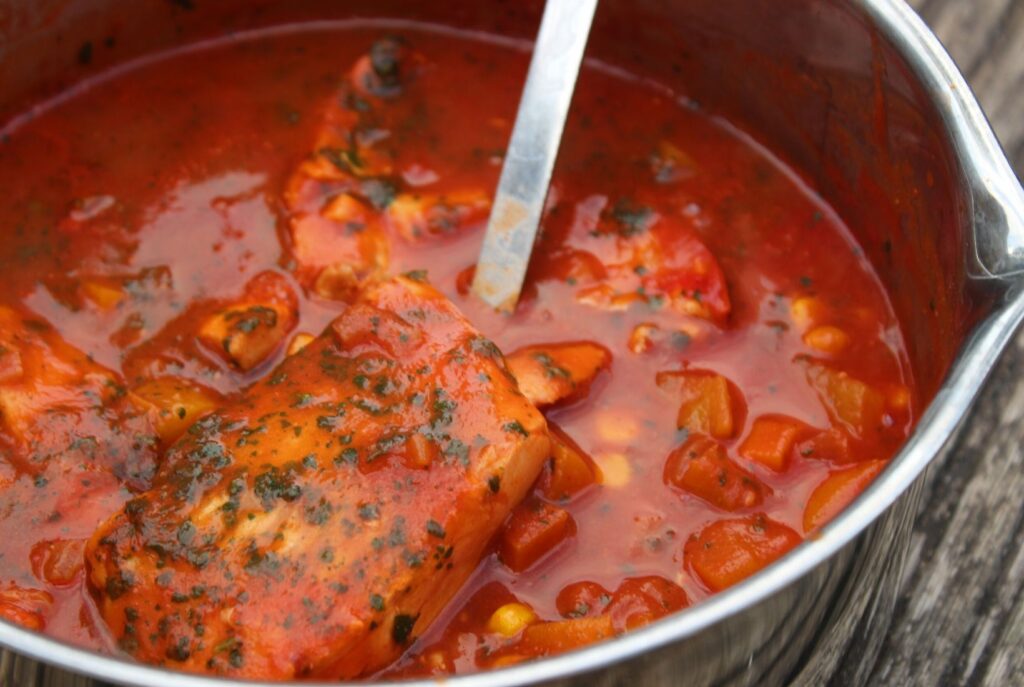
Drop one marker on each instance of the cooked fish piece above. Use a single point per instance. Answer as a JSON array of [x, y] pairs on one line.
[[320, 522]]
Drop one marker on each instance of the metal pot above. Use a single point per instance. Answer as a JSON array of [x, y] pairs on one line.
[[857, 95]]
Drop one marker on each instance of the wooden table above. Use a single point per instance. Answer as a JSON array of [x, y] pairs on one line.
[[960, 617]]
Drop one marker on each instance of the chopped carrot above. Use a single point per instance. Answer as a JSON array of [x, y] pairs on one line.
[[707, 403], [642, 600], [533, 529], [837, 491], [571, 470], [770, 441], [831, 444], [701, 468], [563, 635], [550, 373], [582, 599], [847, 400], [728, 551]]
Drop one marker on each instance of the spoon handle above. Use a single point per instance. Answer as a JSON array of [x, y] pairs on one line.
[[526, 172]]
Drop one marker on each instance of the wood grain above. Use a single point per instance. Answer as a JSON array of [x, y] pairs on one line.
[[960, 617]]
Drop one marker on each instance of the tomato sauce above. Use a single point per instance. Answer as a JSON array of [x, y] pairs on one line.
[[139, 201]]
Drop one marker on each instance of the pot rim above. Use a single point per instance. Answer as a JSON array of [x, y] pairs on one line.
[[991, 183]]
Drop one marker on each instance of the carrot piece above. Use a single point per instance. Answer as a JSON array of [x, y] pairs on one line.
[[728, 551], [533, 529], [847, 400], [832, 445], [837, 491], [551, 373], [572, 470], [770, 441], [582, 599], [564, 635], [642, 600], [707, 401], [58, 561], [701, 468]]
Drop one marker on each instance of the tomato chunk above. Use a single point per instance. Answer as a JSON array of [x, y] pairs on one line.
[[728, 551], [837, 491], [534, 529], [700, 467], [770, 441], [707, 403]]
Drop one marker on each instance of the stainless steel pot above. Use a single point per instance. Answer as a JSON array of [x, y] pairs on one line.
[[860, 97]]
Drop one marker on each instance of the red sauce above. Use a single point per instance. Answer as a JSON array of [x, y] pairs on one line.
[[165, 180]]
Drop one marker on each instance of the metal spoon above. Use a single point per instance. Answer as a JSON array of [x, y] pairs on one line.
[[526, 172]]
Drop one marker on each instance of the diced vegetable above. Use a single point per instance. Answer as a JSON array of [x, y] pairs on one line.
[[832, 445], [58, 561], [564, 635], [550, 373], [582, 599], [700, 467], [706, 406], [728, 551], [770, 441], [174, 404], [511, 619], [847, 400], [837, 491], [534, 529], [571, 470], [642, 600]]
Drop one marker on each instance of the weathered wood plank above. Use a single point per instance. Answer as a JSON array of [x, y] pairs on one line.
[[960, 619]]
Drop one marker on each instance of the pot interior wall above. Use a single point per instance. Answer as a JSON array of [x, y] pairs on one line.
[[809, 78]]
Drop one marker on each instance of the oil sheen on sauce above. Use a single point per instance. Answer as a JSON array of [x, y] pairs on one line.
[[179, 165]]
